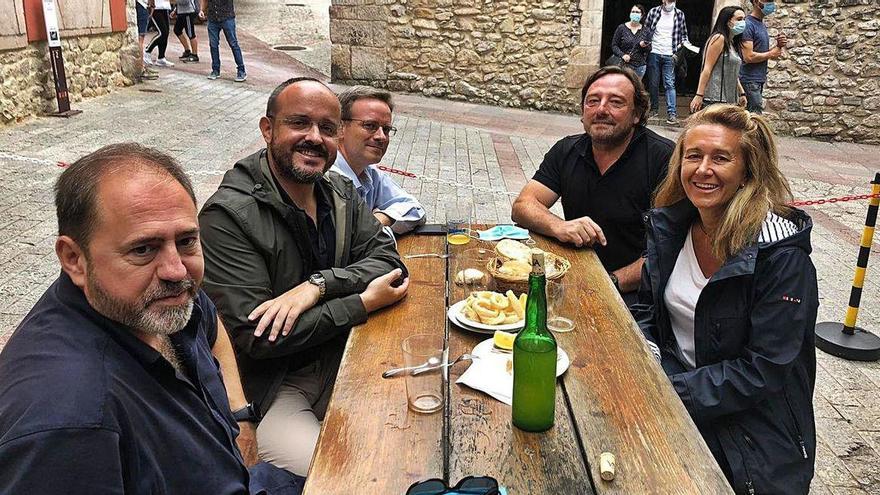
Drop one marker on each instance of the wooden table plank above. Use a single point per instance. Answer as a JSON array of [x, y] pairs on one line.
[[622, 401], [370, 442], [484, 442]]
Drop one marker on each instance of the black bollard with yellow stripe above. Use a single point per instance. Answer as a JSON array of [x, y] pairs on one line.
[[846, 340]]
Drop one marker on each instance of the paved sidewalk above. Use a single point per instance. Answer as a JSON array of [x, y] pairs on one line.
[[458, 152]]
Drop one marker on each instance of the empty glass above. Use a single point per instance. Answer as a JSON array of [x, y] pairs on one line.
[[561, 301], [424, 392]]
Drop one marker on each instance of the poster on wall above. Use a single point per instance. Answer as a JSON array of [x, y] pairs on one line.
[[56, 59]]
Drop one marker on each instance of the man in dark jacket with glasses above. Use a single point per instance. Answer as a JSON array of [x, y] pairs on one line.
[[293, 260]]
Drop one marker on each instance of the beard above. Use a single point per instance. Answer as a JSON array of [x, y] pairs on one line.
[[283, 158], [613, 136], [140, 315]]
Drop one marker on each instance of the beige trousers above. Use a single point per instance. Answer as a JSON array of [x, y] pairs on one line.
[[288, 433]]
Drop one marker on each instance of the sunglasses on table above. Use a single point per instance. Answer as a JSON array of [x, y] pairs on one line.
[[470, 485]]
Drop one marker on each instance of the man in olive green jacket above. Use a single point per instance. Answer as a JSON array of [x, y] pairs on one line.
[[293, 260]]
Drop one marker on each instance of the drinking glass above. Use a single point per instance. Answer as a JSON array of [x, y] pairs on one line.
[[468, 273], [561, 302], [458, 223], [424, 392]]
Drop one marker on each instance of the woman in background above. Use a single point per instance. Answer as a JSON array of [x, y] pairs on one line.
[[719, 78], [728, 300], [628, 43]]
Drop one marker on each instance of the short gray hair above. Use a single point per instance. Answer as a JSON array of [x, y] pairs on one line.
[[355, 93]]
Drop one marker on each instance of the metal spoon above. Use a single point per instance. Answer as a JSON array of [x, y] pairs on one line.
[[426, 255], [432, 361], [463, 357]]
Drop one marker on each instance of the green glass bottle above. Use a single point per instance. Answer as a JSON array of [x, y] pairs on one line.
[[534, 359]]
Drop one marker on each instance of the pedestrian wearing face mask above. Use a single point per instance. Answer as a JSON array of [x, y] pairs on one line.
[[719, 77], [629, 44], [666, 31], [756, 51]]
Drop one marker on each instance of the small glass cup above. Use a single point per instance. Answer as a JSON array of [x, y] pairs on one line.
[[458, 223], [560, 306], [468, 273], [424, 392]]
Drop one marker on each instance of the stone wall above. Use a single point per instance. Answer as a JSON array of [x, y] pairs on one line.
[[509, 52], [94, 65], [534, 54], [828, 84]]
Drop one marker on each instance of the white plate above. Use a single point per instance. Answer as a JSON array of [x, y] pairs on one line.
[[484, 350], [456, 317]]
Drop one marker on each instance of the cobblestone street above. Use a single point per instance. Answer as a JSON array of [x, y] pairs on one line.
[[458, 152]]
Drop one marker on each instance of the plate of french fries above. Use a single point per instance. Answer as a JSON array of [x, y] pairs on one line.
[[487, 311]]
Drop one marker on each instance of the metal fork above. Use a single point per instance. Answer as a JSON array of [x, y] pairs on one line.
[[426, 255]]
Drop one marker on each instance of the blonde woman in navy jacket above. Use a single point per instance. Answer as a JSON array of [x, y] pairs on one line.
[[728, 300]]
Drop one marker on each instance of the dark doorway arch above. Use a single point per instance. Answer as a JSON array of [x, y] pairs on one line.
[[698, 15]]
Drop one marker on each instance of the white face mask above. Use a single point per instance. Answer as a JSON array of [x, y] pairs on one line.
[[669, 7]]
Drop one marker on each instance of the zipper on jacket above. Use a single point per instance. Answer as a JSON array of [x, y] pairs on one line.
[[797, 427], [750, 485]]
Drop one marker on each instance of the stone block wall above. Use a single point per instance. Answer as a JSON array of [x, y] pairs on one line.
[[509, 52], [94, 65], [536, 54], [828, 84]]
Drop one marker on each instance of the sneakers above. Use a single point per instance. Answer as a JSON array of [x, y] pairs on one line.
[[164, 63], [191, 58], [241, 77], [148, 58], [148, 75], [672, 120], [185, 55], [214, 75]]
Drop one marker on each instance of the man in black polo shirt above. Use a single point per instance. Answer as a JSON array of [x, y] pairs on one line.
[[605, 177], [293, 260], [109, 384]]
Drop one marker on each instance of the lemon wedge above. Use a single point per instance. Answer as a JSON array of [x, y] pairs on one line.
[[504, 340]]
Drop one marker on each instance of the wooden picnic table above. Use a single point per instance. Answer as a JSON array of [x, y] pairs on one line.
[[613, 398]]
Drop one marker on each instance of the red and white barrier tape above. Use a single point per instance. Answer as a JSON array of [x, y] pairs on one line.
[[811, 202]]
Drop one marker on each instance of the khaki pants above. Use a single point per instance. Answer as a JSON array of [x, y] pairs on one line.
[[288, 433]]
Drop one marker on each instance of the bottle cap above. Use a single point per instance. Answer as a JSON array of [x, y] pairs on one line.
[[537, 261]]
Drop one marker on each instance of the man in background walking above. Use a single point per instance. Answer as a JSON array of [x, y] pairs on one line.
[[184, 15], [221, 16], [667, 32], [756, 52]]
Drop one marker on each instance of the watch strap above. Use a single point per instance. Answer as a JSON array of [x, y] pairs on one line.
[[247, 413]]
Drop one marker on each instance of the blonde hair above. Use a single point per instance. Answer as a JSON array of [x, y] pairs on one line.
[[765, 188]]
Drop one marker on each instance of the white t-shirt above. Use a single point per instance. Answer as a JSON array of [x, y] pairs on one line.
[[662, 41], [681, 295]]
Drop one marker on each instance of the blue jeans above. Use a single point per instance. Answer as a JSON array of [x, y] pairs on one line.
[[664, 64], [754, 96], [228, 27], [640, 70]]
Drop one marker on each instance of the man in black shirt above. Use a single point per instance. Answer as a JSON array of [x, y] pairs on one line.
[[109, 384], [605, 177]]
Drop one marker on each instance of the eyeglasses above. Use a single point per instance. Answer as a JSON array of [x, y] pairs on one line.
[[470, 485], [301, 123], [372, 127]]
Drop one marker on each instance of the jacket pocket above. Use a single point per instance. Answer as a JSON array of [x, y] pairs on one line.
[[799, 437], [740, 438]]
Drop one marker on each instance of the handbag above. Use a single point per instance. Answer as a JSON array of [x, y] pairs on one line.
[[614, 60]]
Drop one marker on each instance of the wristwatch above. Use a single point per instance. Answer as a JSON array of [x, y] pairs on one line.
[[318, 281], [614, 280], [247, 413]]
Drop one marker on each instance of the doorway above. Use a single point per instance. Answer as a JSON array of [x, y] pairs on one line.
[[698, 15]]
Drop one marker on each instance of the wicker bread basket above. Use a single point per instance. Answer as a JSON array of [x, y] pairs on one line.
[[556, 267]]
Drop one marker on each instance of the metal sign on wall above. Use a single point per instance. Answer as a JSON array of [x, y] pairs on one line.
[[53, 35]]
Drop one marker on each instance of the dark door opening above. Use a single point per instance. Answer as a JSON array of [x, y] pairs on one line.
[[698, 15]]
